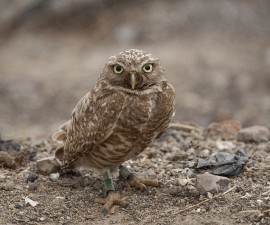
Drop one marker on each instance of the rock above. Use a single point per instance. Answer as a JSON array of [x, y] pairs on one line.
[[42, 219], [58, 202], [30, 176], [54, 177], [227, 129], [30, 202], [2, 177], [211, 183], [18, 205], [48, 165], [225, 145], [254, 133], [7, 186], [33, 186], [178, 154], [9, 145], [209, 195], [150, 174], [182, 181], [85, 181], [187, 171], [12, 159], [205, 153]]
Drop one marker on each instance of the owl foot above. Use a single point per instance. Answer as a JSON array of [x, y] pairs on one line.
[[111, 201], [141, 183], [137, 182]]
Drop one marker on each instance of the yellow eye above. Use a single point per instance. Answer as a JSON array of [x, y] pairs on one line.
[[118, 69], [148, 68]]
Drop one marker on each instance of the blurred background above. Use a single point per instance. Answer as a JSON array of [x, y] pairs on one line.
[[215, 53]]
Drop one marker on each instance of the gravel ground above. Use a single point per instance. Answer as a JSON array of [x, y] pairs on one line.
[[171, 159], [216, 54]]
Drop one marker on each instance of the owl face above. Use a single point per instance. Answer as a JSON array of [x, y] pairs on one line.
[[133, 69]]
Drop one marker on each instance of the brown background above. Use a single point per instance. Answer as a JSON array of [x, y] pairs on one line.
[[215, 53]]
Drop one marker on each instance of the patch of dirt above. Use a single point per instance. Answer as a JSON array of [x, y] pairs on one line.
[[70, 199], [217, 56]]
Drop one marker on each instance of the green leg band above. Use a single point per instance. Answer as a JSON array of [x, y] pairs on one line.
[[109, 185]]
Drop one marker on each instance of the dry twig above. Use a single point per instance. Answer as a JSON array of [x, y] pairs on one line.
[[181, 126], [177, 211]]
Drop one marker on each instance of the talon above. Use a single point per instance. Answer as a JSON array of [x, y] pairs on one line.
[[134, 181], [141, 183], [110, 201]]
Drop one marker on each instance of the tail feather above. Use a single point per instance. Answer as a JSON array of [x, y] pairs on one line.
[[59, 153], [61, 134]]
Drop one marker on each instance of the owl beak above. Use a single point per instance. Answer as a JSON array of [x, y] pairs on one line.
[[133, 81]]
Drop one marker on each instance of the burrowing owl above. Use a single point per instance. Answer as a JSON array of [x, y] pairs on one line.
[[129, 107]]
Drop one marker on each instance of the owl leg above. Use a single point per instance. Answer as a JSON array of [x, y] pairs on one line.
[[134, 181], [113, 198]]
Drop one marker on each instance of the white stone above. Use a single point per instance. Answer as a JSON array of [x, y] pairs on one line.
[[30, 201], [211, 183]]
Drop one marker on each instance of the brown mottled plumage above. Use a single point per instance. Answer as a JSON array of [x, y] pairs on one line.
[[130, 106]]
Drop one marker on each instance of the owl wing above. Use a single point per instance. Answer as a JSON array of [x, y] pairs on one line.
[[92, 121], [165, 108]]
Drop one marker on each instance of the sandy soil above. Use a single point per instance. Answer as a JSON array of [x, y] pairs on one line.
[[216, 54], [70, 199]]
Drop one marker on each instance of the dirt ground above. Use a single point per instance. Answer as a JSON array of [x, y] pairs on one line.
[[215, 53], [171, 159]]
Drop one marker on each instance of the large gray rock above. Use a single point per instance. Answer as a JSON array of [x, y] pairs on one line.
[[48, 165], [211, 183], [254, 133]]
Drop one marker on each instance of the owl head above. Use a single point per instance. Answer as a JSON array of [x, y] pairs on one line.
[[133, 69]]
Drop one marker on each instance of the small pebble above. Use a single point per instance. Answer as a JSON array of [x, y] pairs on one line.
[[187, 171], [32, 186], [224, 145], [210, 195], [151, 174], [177, 170], [30, 202], [169, 166], [54, 177], [183, 201], [42, 219], [182, 181], [191, 151], [18, 205], [191, 164], [30, 176], [2, 177], [205, 152], [259, 201]]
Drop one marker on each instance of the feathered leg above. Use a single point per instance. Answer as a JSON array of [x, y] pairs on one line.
[[134, 181], [113, 198]]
